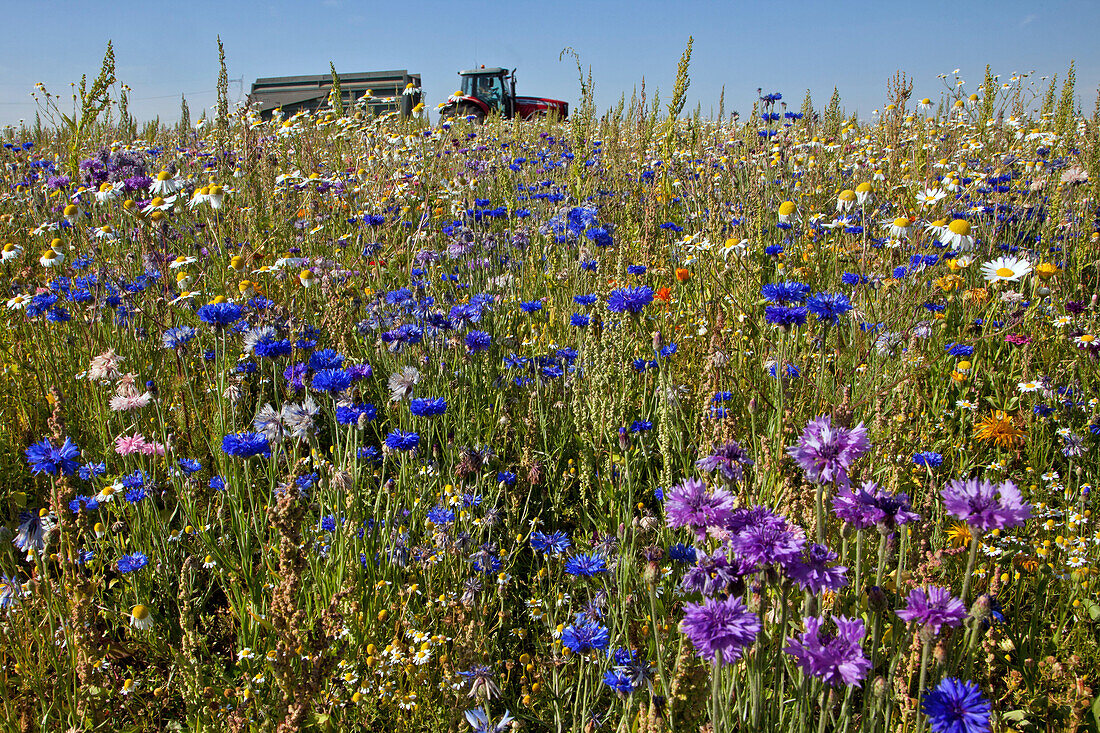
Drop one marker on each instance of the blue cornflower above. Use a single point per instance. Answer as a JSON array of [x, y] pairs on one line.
[[586, 565], [640, 426], [927, 458], [220, 315], [681, 553], [956, 706], [190, 465], [636, 269], [554, 543], [784, 316], [579, 320], [478, 341], [350, 414], [667, 351], [959, 349], [785, 293], [306, 481], [629, 300], [531, 306], [177, 338], [584, 299], [246, 444], [506, 477], [427, 406], [90, 470], [398, 440], [88, 503], [331, 380], [42, 457], [828, 307], [619, 681], [134, 480], [583, 637], [217, 483], [589, 265], [135, 495], [130, 563], [325, 359], [440, 515], [721, 397]]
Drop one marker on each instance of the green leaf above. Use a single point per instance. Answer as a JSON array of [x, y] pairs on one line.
[[1094, 611], [1096, 710], [1014, 716]]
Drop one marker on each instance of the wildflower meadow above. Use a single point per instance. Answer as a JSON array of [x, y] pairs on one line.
[[637, 421]]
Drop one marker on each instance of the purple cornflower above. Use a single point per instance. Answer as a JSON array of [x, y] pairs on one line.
[[716, 573], [764, 544], [690, 504], [835, 660], [985, 506], [813, 573], [826, 452], [727, 460], [870, 506], [956, 706], [724, 627], [933, 607]]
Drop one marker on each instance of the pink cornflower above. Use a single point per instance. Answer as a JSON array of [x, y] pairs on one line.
[[127, 445]]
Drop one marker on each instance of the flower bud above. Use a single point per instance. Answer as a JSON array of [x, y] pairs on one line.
[[980, 609], [876, 599]]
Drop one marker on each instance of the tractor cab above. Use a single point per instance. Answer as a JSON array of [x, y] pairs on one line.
[[494, 87], [485, 91]]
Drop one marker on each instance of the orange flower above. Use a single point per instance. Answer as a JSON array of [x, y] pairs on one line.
[[663, 295], [682, 274]]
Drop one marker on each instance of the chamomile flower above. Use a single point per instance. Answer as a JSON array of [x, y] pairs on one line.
[[51, 258], [165, 184], [957, 235], [141, 618], [899, 227], [930, 196], [10, 252], [1009, 269]]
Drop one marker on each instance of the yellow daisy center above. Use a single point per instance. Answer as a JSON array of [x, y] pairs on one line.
[[163, 176], [847, 195], [70, 210], [786, 208], [863, 187], [1005, 272], [901, 221], [960, 227], [140, 612]]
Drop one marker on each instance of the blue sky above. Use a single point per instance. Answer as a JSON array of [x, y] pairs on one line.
[[164, 49]]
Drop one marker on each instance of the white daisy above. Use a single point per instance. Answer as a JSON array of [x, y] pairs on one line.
[[1008, 269]]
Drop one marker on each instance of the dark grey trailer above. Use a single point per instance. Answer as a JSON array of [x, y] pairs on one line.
[[295, 93]]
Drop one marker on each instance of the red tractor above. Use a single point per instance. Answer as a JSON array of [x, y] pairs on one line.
[[486, 91]]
